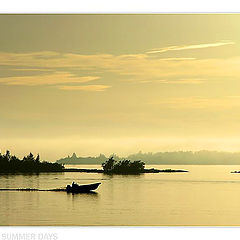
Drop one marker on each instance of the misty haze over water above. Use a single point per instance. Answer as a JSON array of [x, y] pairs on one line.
[[178, 157]]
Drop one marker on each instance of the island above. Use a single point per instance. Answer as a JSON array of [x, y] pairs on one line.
[[124, 167], [30, 164], [150, 170], [74, 159]]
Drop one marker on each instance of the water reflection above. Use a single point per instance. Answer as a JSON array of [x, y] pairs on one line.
[[79, 200], [85, 195]]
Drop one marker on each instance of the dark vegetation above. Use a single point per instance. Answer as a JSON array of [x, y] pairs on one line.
[[123, 167], [29, 164]]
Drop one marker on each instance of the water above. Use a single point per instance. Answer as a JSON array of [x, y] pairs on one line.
[[207, 195]]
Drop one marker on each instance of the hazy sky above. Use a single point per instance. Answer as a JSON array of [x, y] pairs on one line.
[[119, 83]]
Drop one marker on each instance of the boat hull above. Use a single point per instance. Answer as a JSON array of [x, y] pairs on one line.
[[82, 188]]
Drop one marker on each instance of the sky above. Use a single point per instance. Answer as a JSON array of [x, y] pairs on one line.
[[119, 84]]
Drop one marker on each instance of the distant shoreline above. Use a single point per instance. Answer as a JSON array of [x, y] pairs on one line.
[[203, 157], [84, 170], [164, 164], [152, 170]]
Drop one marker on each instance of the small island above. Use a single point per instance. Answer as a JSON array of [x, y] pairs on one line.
[[124, 167], [29, 164], [127, 167]]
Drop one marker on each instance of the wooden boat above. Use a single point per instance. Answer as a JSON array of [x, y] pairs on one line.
[[75, 188]]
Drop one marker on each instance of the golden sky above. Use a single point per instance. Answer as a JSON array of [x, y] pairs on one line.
[[119, 83]]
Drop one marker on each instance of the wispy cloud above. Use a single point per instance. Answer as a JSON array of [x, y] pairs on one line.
[[32, 70], [190, 47], [197, 103], [178, 59], [183, 81], [90, 88], [135, 68], [47, 79]]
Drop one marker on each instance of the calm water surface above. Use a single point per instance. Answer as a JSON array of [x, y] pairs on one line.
[[207, 195]]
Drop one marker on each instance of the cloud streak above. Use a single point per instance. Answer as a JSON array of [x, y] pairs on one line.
[[89, 88], [183, 81], [47, 79], [190, 47], [142, 68]]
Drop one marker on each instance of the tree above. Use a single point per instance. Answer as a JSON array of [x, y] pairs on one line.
[[29, 158], [7, 155], [123, 167], [37, 159], [108, 165]]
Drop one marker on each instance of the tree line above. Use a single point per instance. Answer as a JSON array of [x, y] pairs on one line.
[[10, 163]]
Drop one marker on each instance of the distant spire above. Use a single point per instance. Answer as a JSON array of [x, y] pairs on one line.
[[74, 155]]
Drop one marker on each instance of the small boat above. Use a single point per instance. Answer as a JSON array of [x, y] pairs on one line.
[[75, 188]]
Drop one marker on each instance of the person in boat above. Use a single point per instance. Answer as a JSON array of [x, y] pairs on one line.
[[74, 185]]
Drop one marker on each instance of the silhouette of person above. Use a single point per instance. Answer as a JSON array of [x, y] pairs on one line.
[[74, 184]]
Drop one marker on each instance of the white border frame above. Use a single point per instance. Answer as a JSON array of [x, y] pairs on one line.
[[123, 6]]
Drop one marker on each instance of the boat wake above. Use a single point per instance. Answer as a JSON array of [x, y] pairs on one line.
[[74, 188], [33, 189]]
